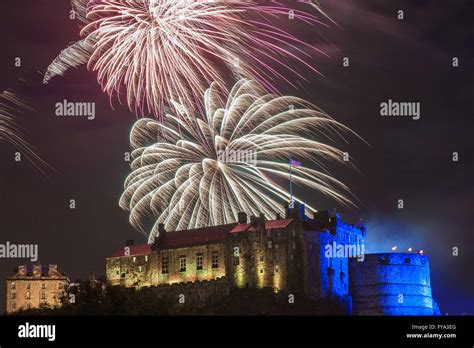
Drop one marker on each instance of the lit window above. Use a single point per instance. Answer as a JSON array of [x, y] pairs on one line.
[[27, 295], [199, 264], [139, 268], [165, 265], [215, 260], [182, 264], [146, 258], [134, 259], [13, 286]]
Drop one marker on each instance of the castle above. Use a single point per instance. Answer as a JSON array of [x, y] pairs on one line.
[[322, 258]]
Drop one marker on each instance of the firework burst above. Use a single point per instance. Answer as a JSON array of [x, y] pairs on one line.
[[190, 172], [147, 52]]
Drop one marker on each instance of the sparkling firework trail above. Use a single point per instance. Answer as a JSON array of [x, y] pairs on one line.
[[148, 52], [10, 132], [190, 172]]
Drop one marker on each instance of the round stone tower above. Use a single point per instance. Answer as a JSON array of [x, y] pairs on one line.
[[392, 284]]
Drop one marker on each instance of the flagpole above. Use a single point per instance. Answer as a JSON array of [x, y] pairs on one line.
[[291, 183]]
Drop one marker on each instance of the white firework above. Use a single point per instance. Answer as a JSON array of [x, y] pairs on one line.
[[10, 131], [147, 52], [190, 172]]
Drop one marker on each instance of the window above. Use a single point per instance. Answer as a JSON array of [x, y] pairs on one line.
[[236, 260], [294, 245], [407, 260], [261, 258], [117, 272], [146, 258], [27, 295], [277, 269], [28, 305], [276, 246], [182, 264], [43, 295], [13, 306], [269, 244], [199, 260], [139, 268], [13, 296], [43, 285], [215, 260], [165, 265], [13, 286], [134, 259], [28, 286]]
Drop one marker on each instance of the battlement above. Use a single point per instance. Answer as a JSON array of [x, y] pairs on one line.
[[397, 259]]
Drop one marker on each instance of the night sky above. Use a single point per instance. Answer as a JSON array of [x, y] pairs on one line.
[[403, 60]]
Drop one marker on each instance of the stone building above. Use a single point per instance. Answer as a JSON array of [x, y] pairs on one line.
[[392, 284], [35, 286], [285, 254]]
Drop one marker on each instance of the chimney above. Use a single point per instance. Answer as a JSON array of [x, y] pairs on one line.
[[261, 220], [129, 242], [254, 220], [161, 229], [53, 269], [242, 218]]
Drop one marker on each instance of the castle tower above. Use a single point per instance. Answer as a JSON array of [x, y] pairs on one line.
[[392, 284]]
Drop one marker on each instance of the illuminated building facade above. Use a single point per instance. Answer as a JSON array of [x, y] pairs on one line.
[[35, 286], [285, 254]]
